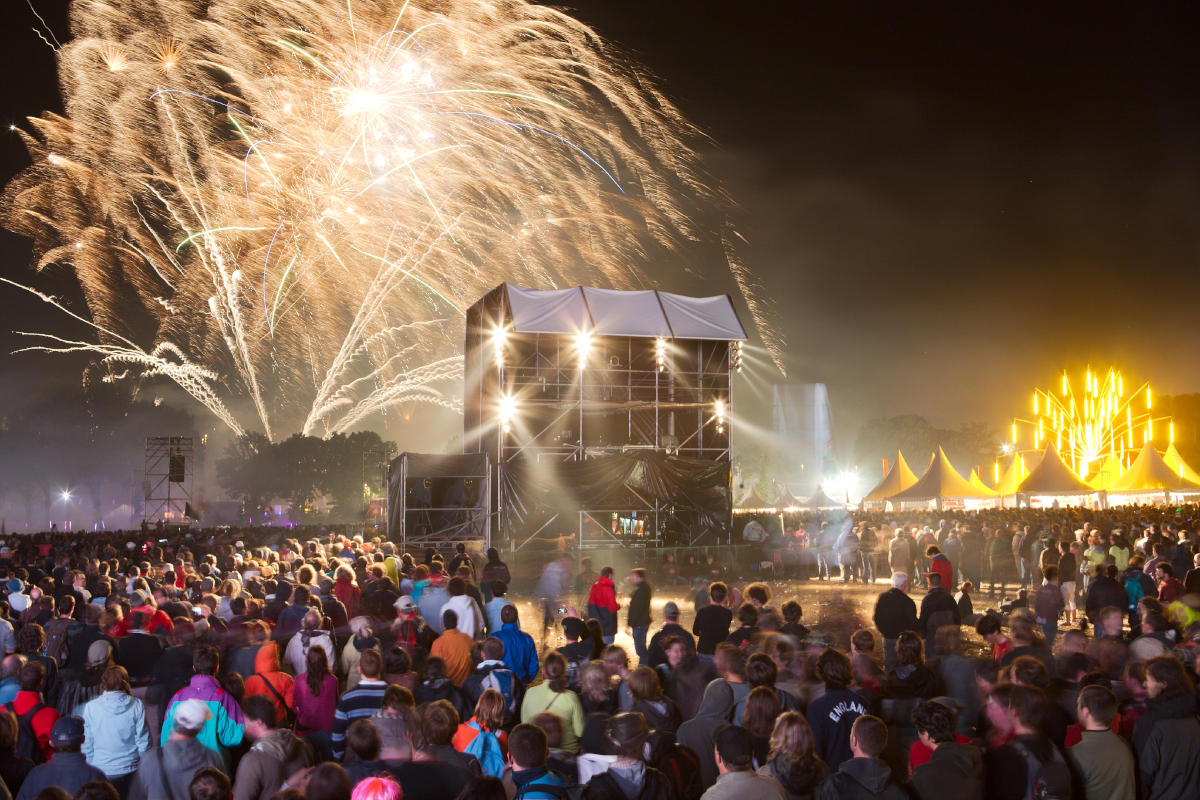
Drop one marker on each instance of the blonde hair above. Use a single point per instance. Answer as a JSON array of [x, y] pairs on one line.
[[489, 710], [594, 681], [791, 739]]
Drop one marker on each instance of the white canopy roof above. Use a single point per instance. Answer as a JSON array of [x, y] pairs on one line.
[[609, 312]]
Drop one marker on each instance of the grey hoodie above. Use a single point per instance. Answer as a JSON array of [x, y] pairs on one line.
[[164, 774], [860, 779], [696, 734], [268, 764]]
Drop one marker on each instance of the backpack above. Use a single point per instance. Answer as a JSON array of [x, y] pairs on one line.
[[1133, 587], [505, 682], [57, 633], [27, 743], [486, 748], [559, 792], [656, 786], [679, 764], [1045, 781]]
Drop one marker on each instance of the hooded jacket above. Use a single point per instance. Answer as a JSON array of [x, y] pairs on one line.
[[223, 730], [954, 770], [798, 780], [348, 594], [115, 733], [603, 606], [862, 779], [268, 763], [68, 771], [268, 681], [1166, 740], [716, 708], [164, 774]]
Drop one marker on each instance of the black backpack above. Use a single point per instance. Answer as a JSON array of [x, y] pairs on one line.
[[27, 743], [1049, 780], [678, 764]]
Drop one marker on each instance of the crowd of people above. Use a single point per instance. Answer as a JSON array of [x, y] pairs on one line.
[[231, 665]]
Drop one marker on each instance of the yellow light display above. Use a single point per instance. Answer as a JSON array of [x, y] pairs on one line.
[[1100, 421]]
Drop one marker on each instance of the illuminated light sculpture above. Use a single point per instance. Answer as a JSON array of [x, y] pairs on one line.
[[1088, 427]]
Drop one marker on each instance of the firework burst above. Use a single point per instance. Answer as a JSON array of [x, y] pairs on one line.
[[298, 199]]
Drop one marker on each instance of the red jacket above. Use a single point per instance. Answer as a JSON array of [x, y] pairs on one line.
[[42, 721], [604, 595], [941, 565], [349, 594], [1169, 590]]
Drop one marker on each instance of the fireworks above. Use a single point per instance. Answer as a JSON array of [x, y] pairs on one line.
[[285, 206], [1107, 423]]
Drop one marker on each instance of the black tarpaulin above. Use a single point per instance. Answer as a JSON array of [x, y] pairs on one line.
[[692, 494]]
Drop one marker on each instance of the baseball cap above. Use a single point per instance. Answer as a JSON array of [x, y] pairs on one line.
[[67, 730], [98, 653], [15, 585], [405, 605], [734, 746], [670, 609], [190, 715]]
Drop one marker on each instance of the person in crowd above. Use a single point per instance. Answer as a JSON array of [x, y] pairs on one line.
[[33, 737], [954, 769], [655, 651], [553, 695], [222, 727], [275, 754], [602, 604], [698, 734], [629, 776], [10, 667], [658, 710], [271, 682], [363, 700], [792, 759], [832, 715], [328, 782], [743, 635], [453, 647], [1166, 739], [166, 772], [1030, 757], [487, 721], [1101, 757], [115, 733], [520, 652], [1048, 603], [733, 753], [439, 724], [864, 775], [468, 614], [937, 609], [712, 622], [895, 612], [314, 697], [528, 778], [309, 636], [493, 673], [638, 618], [67, 769], [494, 570]]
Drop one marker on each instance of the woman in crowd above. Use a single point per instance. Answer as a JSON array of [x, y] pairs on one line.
[[791, 759], [553, 695], [114, 730], [660, 711]]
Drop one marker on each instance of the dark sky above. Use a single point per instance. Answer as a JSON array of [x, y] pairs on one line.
[[948, 201]]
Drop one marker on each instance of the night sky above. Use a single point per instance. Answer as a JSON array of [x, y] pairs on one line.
[[948, 202]]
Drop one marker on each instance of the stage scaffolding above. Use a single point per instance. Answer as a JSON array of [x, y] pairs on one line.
[[167, 478], [580, 374]]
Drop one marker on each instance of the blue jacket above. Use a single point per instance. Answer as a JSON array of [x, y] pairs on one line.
[[527, 782], [520, 653], [115, 733]]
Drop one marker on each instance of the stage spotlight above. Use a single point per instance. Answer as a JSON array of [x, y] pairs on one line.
[[65, 495], [719, 413], [499, 337], [660, 353], [583, 343], [508, 409], [736, 353]]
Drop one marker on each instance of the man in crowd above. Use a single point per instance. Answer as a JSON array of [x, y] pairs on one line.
[[275, 754], [734, 755], [222, 727], [166, 773], [67, 768], [895, 612]]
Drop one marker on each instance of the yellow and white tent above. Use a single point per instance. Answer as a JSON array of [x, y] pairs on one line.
[[941, 481], [1149, 473], [1109, 472], [899, 477], [1052, 477], [978, 483], [1175, 461]]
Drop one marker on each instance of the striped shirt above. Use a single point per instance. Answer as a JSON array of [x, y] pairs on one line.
[[362, 701]]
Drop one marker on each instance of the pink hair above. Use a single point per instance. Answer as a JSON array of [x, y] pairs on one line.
[[377, 789]]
